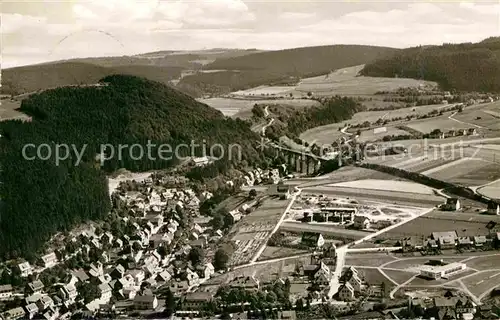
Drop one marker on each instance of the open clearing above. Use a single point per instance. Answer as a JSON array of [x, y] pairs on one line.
[[328, 133], [326, 230], [382, 196], [252, 231], [485, 263], [264, 91], [492, 190], [8, 110], [368, 259], [374, 277], [346, 82], [465, 224], [230, 107], [278, 252], [387, 185]]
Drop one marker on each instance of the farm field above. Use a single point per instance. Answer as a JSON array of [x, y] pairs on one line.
[[278, 252], [454, 170], [479, 117], [465, 225], [346, 82], [486, 262], [368, 259], [370, 135], [399, 276], [262, 271], [242, 107], [251, 232], [264, 91], [374, 277], [326, 230], [491, 191], [387, 185], [403, 198], [328, 133], [482, 283], [443, 123]]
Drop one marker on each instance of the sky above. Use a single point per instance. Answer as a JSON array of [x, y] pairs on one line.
[[40, 31]]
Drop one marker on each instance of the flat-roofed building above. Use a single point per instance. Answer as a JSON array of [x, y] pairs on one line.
[[442, 271]]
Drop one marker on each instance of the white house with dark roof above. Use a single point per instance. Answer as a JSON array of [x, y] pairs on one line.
[[106, 292], [346, 292], [25, 269], [49, 260], [31, 310], [5, 291]]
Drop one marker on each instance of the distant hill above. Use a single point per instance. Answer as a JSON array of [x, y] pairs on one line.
[[282, 66], [464, 67], [46, 76], [41, 197], [161, 66]]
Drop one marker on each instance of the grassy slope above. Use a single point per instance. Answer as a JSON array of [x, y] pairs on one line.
[[465, 67], [280, 67]]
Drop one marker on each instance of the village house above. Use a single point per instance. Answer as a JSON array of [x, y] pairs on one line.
[[118, 272], [68, 293], [192, 278], [45, 302], [49, 260], [25, 269], [346, 292], [493, 208], [31, 310], [464, 242], [247, 283], [446, 239], [138, 276], [35, 286], [195, 300], [16, 313], [452, 204], [106, 292], [323, 275], [361, 222], [480, 241], [107, 238], [312, 239], [163, 276], [146, 302], [472, 132], [5, 292]]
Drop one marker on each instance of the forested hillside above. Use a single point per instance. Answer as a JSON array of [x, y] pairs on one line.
[[292, 122], [40, 197], [45, 76], [464, 67], [282, 66]]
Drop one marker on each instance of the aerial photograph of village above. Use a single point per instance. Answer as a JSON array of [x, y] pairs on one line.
[[250, 160]]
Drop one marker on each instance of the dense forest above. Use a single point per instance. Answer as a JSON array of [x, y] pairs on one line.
[[463, 67], [282, 66], [40, 197], [293, 122]]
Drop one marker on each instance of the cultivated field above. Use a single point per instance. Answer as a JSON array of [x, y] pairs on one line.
[[368, 259], [278, 252], [265, 91], [242, 107], [382, 196], [387, 185], [324, 229], [346, 82], [252, 231], [492, 190], [328, 133], [466, 224]]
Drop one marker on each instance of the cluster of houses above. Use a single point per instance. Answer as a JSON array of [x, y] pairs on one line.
[[437, 134], [123, 274], [258, 176], [453, 204], [451, 307], [352, 286]]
